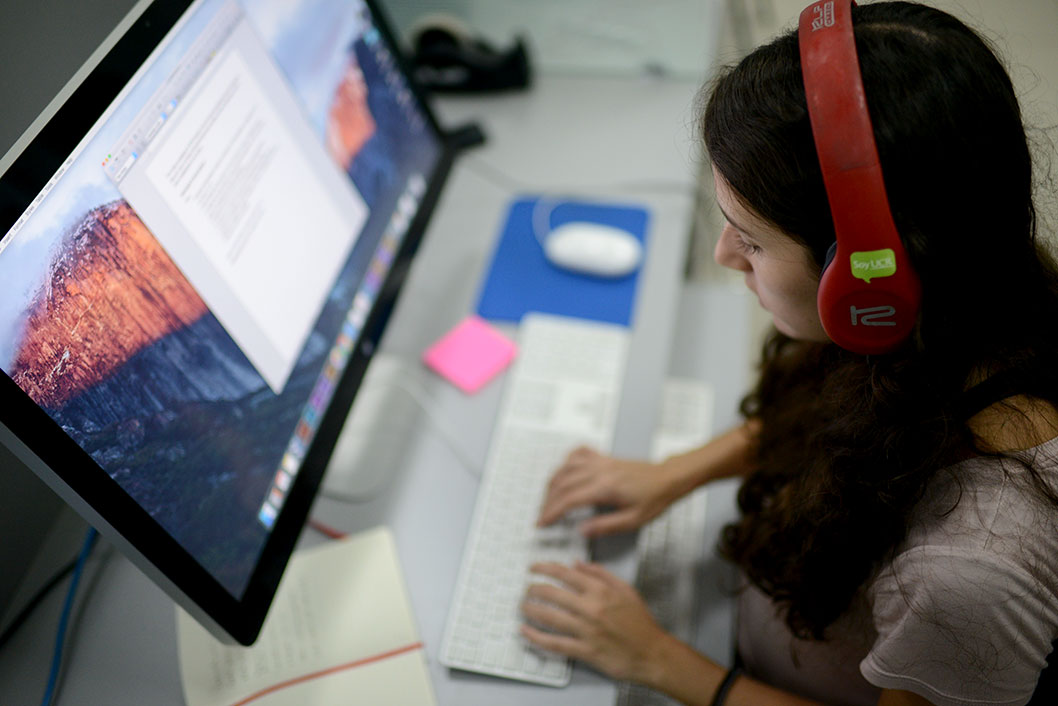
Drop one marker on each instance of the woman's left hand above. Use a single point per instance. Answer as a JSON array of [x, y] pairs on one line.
[[594, 617]]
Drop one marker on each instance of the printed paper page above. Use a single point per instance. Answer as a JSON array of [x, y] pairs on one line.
[[340, 630]]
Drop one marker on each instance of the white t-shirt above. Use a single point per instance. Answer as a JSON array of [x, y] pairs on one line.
[[964, 616]]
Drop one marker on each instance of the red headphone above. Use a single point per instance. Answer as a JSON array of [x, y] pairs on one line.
[[868, 294]]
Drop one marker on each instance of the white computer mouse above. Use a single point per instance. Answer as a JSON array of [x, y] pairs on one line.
[[594, 249]]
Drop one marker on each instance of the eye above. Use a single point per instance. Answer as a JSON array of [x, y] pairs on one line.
[[746, 246]]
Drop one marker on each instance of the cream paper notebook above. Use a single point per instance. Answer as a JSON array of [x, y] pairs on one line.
[[340, 631]]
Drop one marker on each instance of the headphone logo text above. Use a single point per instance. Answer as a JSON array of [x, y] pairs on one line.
[[872, 316], [867, 265], [824, 16]]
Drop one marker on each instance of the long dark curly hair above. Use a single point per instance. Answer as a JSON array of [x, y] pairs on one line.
[[849, 442]]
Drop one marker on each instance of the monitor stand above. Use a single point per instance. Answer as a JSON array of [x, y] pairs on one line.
[[375, 436]]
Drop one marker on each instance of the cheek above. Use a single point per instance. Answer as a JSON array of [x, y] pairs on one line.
[[790, 294], [778, 282]]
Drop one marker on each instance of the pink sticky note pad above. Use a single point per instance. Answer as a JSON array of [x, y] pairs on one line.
[[470, 355]]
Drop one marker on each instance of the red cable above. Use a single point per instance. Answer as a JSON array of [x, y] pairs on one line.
[[327, 530], [332, 670]]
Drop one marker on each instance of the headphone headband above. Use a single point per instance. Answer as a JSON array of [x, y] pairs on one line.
[[868, 295]]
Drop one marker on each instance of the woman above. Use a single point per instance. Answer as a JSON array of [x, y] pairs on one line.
[[898, 512]]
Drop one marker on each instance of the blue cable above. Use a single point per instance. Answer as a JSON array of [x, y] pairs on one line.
[[64, 619]]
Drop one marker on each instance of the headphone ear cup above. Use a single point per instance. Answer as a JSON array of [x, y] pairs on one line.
[[831, 252]]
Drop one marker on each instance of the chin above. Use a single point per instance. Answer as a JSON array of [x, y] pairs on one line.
[[784, 328], [813, 334]]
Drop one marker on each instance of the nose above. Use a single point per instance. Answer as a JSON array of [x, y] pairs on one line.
[[727, 254]]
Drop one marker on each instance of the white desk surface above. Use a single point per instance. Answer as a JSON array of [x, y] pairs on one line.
[[589, 137]]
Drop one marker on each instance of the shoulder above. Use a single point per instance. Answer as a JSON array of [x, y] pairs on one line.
[[995, 502], [992, 504], [968, 607], [959, 625], [1015, 423]]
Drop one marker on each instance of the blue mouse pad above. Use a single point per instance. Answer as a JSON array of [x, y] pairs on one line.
[[521, 279]]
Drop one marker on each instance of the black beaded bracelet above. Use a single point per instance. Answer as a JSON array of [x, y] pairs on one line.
[[725, 686]]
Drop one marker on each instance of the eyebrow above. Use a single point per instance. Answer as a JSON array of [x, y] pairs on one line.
[[729, 219]]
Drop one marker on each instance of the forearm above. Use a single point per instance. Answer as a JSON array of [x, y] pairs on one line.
[[728, 455], [692, 679]]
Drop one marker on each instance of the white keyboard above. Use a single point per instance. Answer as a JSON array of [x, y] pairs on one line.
[[671, 548], [562, 391]]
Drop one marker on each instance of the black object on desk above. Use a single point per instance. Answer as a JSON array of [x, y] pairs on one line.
[[446, 58]]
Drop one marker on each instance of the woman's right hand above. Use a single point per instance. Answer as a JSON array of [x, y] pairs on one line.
[[636, 491]]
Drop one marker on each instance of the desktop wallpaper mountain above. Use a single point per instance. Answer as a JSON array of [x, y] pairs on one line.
[[111, 291], [125, 356]]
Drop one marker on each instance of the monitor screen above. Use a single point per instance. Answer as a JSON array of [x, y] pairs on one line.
[[199, 251]]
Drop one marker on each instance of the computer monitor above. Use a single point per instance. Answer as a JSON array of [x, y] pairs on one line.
[[200, 250]]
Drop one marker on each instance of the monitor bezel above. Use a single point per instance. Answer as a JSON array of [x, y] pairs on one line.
[[40, 443]]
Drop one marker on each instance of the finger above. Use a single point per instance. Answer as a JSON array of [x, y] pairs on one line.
[[568, 478], [570, 475], [552, 618], [582, 453], [573, 578], [561, 597], [610, 523], [574, 471], [562, 644], [589, 493], [579, 456], [557, 506]]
